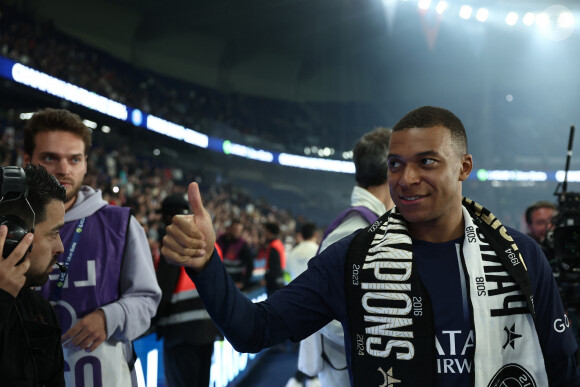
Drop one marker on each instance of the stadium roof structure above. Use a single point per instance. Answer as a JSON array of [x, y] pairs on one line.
[[300, 50], [506, 82]]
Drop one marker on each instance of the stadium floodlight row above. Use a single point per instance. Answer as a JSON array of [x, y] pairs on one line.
[[30, 77]]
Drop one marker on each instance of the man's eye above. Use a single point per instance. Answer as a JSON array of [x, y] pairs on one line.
[[428, 161], [48, 158], [394, 164]]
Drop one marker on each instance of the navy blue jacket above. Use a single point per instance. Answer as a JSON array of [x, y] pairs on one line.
[[318, 295]]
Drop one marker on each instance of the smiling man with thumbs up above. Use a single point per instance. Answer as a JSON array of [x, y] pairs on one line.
[[437, 292]]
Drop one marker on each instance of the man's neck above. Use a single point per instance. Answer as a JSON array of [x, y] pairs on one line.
[[69, 204], [438, 231]]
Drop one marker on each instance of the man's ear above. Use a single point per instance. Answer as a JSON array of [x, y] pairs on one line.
[[26, 158], [466, 166]]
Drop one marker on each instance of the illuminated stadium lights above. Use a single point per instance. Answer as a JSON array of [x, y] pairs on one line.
[[231, 148], [565, 20], [542, 20], [90, 124], [424, 4], [316, 164], [573, 176], [529, 19], [511, 19], [25, 116], [510, 175], [320, 152], [347, 155], [156, 152], [176, 131], [556, 22], [136, 117], [51, 85], [465, 12], [105, 129], [441, 7], [482, 14]]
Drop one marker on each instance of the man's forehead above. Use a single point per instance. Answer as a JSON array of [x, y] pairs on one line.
[[417, 140], [543, 211], [61, 137]]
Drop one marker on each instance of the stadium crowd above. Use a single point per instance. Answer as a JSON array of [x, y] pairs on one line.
[[257, 121], [141, 182]]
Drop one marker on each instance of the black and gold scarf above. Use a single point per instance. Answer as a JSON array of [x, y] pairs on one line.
[[393, 339]]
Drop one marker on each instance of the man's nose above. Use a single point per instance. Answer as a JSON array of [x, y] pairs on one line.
[[409, 176], [62, 167]]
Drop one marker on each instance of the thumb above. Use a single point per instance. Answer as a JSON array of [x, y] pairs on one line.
[[195, 199]]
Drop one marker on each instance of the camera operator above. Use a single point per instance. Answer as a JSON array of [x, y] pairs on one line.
[[557, 229], [539, 217], [30, 344]]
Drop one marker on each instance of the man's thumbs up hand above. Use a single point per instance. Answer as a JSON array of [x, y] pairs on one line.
[[190, 239]]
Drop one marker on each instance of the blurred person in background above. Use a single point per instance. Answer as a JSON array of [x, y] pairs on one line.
[[299, 255], [108, 294], [323, 353], [238, 257], [539, 217], [297, 262], [187, 331], [273, 253]]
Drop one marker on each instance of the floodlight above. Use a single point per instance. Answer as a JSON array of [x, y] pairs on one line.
[[424, 4], [482, 14], [529, 19], [511, 19], [465, 12], [441, 7]]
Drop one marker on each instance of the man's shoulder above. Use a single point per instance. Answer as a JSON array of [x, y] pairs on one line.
[[530, 249], [107, 219], [36, 303], [112, 208], [520, 238]]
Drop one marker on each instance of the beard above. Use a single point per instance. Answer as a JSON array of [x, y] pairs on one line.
[[72, 193], [39, 278], [35, 279]]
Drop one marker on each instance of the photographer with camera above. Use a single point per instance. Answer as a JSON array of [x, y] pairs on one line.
[[539, 217], [31, 208]]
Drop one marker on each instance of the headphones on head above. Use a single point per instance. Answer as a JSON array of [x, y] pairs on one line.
[[13, 187]]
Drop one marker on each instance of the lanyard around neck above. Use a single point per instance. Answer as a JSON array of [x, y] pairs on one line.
[[62, 277]]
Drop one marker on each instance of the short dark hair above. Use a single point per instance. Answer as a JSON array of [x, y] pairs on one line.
[[307, 230], [174, 204], [42, 189], [370, 158], [272, 228], [49, 120], [430, 116], [536, 206]]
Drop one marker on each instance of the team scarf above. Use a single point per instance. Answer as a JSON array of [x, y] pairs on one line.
[[391, 321]]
